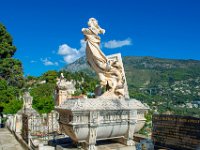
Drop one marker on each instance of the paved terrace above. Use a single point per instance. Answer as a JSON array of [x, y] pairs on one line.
[[8, 141]]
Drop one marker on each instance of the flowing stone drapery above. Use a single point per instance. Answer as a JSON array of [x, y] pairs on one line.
[[109, 71]]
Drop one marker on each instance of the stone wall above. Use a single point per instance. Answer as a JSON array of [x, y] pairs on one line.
[[176, 132]]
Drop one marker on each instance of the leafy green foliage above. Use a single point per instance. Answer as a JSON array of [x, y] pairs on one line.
[[11, 74], [29, 78], [148, 124], [7, 93], [9, 98], [85, 84], [50, 76], [11, 70], [7, 49], [12, 107], [44, 104], [43, 100]]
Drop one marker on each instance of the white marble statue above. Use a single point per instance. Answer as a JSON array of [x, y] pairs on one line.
[[109, 71]]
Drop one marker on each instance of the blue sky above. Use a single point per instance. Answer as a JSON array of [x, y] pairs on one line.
[[47, 33]]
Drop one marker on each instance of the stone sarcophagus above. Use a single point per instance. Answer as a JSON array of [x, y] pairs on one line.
[[90, 120]]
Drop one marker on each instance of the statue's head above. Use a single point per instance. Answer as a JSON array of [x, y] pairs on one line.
[[93, 23]]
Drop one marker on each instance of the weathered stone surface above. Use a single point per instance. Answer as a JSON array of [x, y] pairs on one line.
[[14, 122], [117, 57], [176, 132], [8, 141], [101, 104], [89, 120], [64, 90], [109, 70]]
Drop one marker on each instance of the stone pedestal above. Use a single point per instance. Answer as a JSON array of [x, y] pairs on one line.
[[89, 120], [64, 90]]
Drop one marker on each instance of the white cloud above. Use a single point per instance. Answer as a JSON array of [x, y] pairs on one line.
[[33, 61], [66, 50], [117, 43], [47, 62], [71, 54]]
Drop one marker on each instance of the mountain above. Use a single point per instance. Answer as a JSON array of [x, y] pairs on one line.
[[80, 65], [148, 71], [156, 80]]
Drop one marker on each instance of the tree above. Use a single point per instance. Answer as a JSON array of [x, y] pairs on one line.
[[43, 104], [11, 74], [7, 93], [30, 78], [50, 76], [43, 97], [7, 49], [12, 107], [9, 98], [11, 70]]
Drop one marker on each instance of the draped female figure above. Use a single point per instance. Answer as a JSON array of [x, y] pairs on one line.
[[108, 71]]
